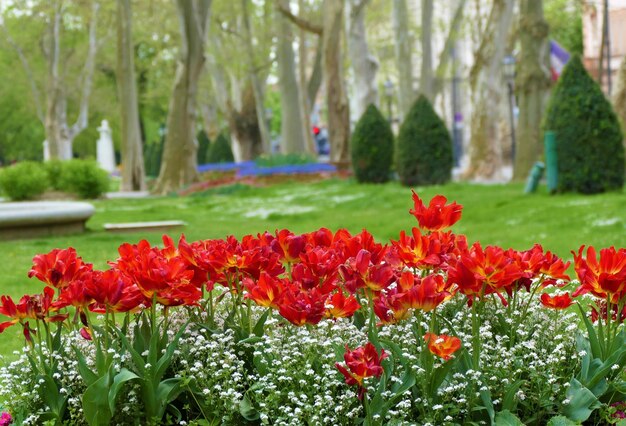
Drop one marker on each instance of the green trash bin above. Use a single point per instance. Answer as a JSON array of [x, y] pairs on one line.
[[552, 171]]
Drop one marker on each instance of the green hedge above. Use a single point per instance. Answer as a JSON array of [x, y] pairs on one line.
[[83, 178], [588, 135], [372, 147], [204, 143], [424, 147], [24, 181], [220, 151]]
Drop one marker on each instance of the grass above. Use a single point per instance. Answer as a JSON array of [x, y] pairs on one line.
[[495, 214]]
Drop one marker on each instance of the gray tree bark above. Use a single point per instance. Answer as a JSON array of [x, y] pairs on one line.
[[532, 85], [487, 86], [59, 134], [178, 167], [259, 94], [619, 99], [444, 57], [364, 64], [426, 76], [336, 98], [293, 139], [403, 55], [132, 154]]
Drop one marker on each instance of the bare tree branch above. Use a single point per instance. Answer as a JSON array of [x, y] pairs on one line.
[[356, 9], [82, 120], [28, 70], [300, 22], [444, 57]]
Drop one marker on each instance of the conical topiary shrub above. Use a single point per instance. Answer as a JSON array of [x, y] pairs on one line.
[[372, 147], [203, 147], [588, 136], [424, 148], [220, 151]]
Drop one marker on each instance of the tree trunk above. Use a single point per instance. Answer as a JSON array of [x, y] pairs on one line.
[[259, 95], [426, 76], [293, 139], [619, 100], [364, 65], [307, 105], [404, 59], [449, 45], [178, 166], [132, 153], [532, 84], [59, 134], [486, 160], [245, 127], [337, 102]]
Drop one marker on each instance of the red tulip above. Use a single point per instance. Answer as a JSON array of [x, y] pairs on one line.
[[603, 278], [437, 215], [562, 301], [59, 267], [266, 292], [362, 362], [443, 345], [340, 306]]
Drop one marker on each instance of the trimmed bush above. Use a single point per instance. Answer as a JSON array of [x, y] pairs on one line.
[[220, 151], [588, 135], [203, 147], [24, 181], [84, 178], [372, 147], [424, 148], [54, 169]]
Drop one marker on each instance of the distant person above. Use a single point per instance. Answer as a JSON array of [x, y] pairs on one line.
[[321, 140]]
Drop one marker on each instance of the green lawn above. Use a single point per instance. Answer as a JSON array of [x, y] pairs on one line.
[[494, 214]]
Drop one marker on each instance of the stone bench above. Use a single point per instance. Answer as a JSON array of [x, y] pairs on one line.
[[163, 225], [43, 218]]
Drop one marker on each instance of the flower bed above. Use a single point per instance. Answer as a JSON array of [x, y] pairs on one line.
[[321, 328]]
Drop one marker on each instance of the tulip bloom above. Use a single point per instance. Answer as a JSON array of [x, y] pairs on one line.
[[605, 278], [362, 362], [442, 346], [299, 307], [35, 307], [5, 419], [437, 215], [340, 306], [562, 301], [58, 268], [425, 294], [266, 292]]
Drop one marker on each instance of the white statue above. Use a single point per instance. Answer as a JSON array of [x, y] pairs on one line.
[[104, 151], [46, 151]]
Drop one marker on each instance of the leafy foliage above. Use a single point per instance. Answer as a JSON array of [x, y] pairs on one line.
[[284, 160], [372, 147], [54, 169], [153, 154], [203, 146], [424, 147], [83, 178], [220, 151], [24, 181], [588, 136]]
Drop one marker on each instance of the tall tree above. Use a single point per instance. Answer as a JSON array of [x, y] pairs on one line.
[[619, 99], [485, 158], [254, 69], [403, 53], [532, 84], [364, 64], [293, 138], [52, 112], [178, 167], [427, 78], [336, 97], [132, 153]]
